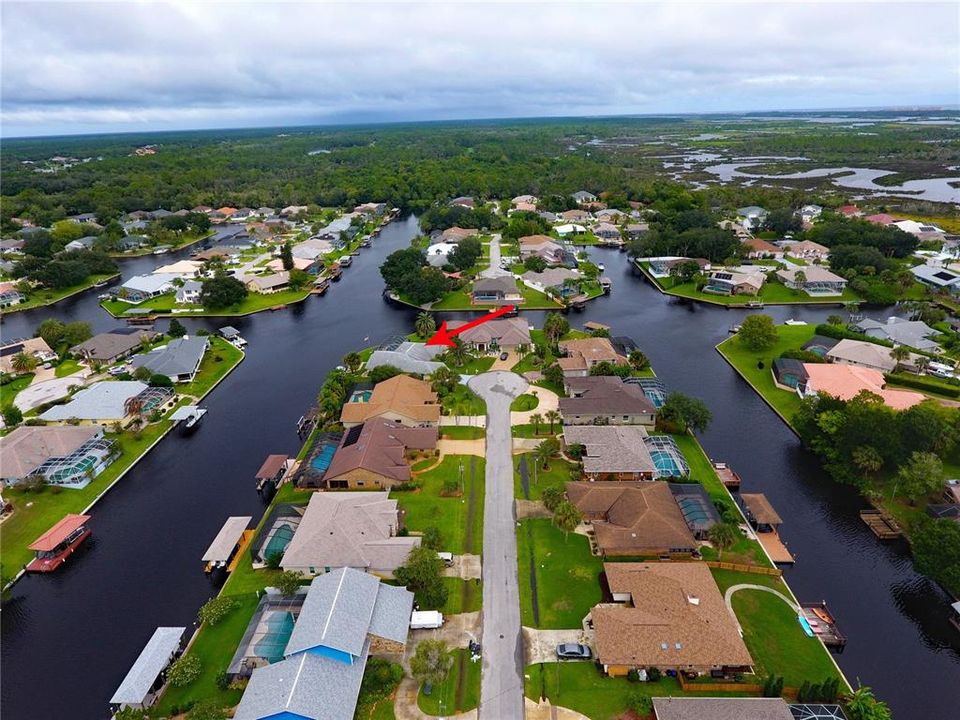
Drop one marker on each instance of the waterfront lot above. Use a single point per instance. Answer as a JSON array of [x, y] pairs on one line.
[[165, 305], [48, 296]]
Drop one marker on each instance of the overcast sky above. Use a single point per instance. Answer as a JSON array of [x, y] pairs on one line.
[[99, 67]]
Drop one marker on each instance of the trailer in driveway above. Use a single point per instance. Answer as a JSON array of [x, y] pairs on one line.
[[426, 620]]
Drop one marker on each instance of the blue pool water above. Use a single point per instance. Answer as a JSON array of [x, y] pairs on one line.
[[321, 460], [361, 396], [274, 641]]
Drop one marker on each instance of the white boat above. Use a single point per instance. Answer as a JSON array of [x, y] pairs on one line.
[[600, 267], [791, 321], [187, 418]]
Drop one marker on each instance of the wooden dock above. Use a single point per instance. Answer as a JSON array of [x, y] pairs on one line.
[[882, 524], [824, 625], [775, 548], [727, 475]]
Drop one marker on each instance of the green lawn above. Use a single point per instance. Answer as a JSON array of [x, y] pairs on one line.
[[454, 432], [463, 401], [215, 646], [9, 391], [253, 303], [567, 575], [556, 475], [220, 358], [464, 596], [35, 513], [542, 431], [67, 367], [524, 402], [48, 296], [580, 686], [475, 365], [459, 692], [461, 300], [425, 507], [745, 361]]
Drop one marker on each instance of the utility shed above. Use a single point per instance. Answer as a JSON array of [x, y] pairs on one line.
[[139, 688], [226, 541]]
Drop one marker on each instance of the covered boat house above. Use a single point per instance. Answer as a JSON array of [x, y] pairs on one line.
[[146, 678]]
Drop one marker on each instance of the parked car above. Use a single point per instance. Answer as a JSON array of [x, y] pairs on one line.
[[446, 557], [573, 651], [118, 370], [504, 356]]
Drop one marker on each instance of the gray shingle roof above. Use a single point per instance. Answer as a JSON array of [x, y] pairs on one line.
[[103, 401], [181, 356], [680, 708], [409, 357], [308, 686], [152, 660]]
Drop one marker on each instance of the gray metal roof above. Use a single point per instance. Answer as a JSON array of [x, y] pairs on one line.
[[309, 686], [181, 356], [343, 606], [158, 651], [227, 539]]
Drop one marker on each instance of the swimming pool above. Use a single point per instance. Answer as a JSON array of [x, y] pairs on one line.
[[361, 396], [321, 461], [279, 540], [277, 626]]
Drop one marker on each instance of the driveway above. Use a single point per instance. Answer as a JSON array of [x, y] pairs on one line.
[[45, 391], [501, 678], [494, 270], [541, 645], [465, 567], [548, 401], [448, 446]]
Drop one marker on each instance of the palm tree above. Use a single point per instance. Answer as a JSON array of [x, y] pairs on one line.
[[458, 354], [566, 517], [722, 536], [899, 353], [352, 361], [443, 380], [134, 406], [545, 450], [638, 360], [862, 705], [425, 325], [553, 416], [23, 362], [536, 419]]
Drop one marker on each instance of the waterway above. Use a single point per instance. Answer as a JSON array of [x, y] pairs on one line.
[[68, 639]]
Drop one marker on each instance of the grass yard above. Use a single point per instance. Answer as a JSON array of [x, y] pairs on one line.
[[67, 367], [465, 596], [9, 391], [215, 645], [525, 402], [463, 401], [165, 304], [745, 362], [459, 692], [454, 432], [556, 475], [35, 513], [541, 431], [475, 365], [212, 369], [461, 300], [564, 581], [459, 518], [48, 296], [580, 686]]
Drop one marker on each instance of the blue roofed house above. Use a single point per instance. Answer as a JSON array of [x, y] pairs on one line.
[[347, 616]]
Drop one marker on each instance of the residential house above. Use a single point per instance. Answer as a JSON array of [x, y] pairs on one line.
[[500, 290], [183, 269], [202, 209], [737, 229], [849, 211], [292, 210], [583, 354], [84, 243], [610, 215], [454, 235], [548, 216], [881, 219], [349, 530], [311, 250], [912, 333], [178, 360], [346, 617], [937, 277], [370, 209], [846, 381], [510, 334], [83, 217], [269, 284], [733, 282], [189, 293], [862, 354], [375, 454], [340, 228], [789, 374], [606, 400], [752, 216], [62, 455], [523, 207], [560, 281], [12, 245], [919, 229], [524, 199], [542, 246], [108, 402], [606, 231], [673, 618], [633, 518], [813, 280], [410, 357], [575, 216], [582, 197], [401, 399], [464, 201], [727, 708], [108, 347], [661, 266], [308, 266], [819, 345], [143, 287], [806, 250], [757, 248], [809, 213], [636, 230], [612, 452], [569, 229], [36, 348], [438, 253]]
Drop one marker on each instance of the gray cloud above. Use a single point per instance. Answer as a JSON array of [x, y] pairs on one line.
[[81, 67]]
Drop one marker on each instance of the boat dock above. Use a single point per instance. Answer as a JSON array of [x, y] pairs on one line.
[[728, 477], [228, 545], [823, 625], [882, 524], [765, 521]]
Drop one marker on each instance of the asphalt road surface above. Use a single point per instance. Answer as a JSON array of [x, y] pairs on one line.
[[501, 679]]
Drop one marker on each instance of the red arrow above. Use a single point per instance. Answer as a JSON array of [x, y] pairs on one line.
[[445, 337]]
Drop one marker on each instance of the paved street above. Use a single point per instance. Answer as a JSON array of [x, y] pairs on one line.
[[494, 270], [501, 680]]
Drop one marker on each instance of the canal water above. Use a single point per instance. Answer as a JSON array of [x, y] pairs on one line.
[[68, 639]]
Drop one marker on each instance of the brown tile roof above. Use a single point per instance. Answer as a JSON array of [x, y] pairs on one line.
[[456, 234], [536, 239], [28, 447], [677, 618], [593, 350], [379, 447], [401, 394], [507, 331], [607, 395], [762, 246], [632, 518], [271, 466], [760, 508]]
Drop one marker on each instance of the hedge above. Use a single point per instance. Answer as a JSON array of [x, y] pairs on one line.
[[840, 333], [922, 383]]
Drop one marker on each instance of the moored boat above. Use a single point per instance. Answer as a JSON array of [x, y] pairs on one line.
[[59, 543]]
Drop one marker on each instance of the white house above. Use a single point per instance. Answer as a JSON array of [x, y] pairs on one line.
[[189, 292], [569, 229], [143, 287]]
